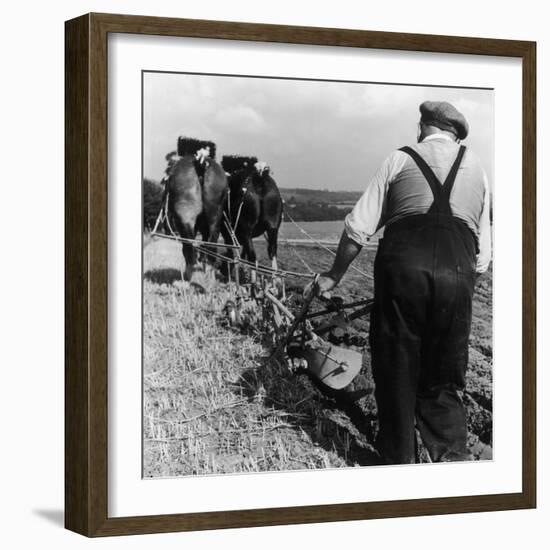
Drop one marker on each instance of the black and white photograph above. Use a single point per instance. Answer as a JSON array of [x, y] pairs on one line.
[[317, 274]]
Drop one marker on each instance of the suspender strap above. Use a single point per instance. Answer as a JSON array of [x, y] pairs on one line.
[[440, 192], [450, 179], [428, 173]]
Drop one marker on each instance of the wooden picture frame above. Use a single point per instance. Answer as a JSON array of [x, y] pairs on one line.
[[86, 280]]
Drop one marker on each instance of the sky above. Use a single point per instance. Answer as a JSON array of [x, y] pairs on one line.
[[313, 134]]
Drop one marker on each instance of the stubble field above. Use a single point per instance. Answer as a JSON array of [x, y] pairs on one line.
[[213, 404]]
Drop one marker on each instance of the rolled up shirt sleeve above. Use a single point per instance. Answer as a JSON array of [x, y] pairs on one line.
[[485, 240], [367, 216]]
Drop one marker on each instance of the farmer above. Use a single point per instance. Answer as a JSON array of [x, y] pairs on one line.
[[433, 200]]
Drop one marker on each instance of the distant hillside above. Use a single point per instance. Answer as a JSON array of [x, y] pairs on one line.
[[318, 204], [319, 196]]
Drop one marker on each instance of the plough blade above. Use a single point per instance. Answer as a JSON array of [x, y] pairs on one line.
[[333, 366]]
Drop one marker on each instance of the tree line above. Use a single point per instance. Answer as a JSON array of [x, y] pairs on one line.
[[152, 202]]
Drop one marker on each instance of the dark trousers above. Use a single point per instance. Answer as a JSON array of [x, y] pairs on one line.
[[420, 324]]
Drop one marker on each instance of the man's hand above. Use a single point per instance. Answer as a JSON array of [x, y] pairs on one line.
[[324, 284]]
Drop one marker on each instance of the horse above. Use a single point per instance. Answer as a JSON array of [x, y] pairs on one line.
[[196, 195], [254, 207]]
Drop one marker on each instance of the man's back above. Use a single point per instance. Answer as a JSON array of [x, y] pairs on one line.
[[399, 189], [409, 192], [424, 280]]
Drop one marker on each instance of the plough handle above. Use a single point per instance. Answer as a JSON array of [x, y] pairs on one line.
[[299, 318], [338, 308], [355, 315], [295, 320]]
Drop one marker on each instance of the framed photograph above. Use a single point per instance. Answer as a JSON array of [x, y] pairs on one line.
[[300, 275]]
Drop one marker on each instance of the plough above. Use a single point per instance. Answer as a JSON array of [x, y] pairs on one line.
[[297, 343], [303, 347]]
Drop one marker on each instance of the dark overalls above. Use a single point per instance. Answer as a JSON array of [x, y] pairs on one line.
[[424, 277]]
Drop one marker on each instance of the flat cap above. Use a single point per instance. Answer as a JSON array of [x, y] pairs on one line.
[[445, 116]]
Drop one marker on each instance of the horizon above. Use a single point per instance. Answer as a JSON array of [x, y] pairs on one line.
[[288, 189]]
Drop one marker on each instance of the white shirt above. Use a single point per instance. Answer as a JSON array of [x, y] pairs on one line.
[[469, 200]]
